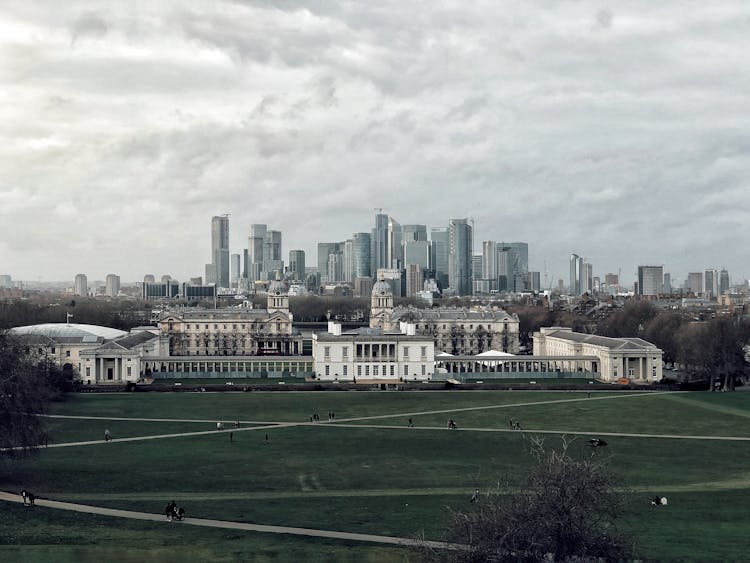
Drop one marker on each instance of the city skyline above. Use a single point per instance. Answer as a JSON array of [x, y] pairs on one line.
[[617, 133]]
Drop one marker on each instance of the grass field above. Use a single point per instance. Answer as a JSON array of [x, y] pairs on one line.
[[366, 472]]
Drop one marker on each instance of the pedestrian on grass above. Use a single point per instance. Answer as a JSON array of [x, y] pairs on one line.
[[169, 510], [475, 496]]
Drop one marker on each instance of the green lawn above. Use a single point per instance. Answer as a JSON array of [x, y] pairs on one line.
[[389, 481]]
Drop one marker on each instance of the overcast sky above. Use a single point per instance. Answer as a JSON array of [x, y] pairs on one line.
[[619, 133]]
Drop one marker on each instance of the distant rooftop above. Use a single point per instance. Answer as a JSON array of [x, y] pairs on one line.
[[70, 331]]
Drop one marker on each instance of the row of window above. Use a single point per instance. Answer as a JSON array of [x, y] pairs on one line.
[[231, 327], [362, 350], [377, 371]]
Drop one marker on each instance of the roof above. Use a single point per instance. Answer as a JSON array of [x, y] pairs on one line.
[[70, 332], [365, 333], [494, 353], [451, 313], [623, 344]]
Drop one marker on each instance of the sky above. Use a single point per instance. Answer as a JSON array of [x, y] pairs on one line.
[[618, 131]]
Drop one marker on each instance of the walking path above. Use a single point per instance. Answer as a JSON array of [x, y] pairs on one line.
[[350, 536], [342, 423]]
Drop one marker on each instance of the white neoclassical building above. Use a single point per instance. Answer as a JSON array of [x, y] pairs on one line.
[[120, 360], [373, 354], [630, 358]]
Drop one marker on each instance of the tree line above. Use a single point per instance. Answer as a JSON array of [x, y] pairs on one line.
[[708, 349]]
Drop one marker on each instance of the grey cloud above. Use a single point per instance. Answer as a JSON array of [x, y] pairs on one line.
[[89, 24]]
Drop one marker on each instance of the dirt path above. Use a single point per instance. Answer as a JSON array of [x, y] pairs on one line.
[[224, 524]]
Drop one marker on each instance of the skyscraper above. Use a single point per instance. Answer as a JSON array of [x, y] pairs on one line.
[[395, 247], [112, 285], [81, 285], [234, 270], [650, 280], [325, 250], [255, 251], [439, 248], [272, 261], [723, 282], [489, 261], [512, 263], [413, 233], [576, 275], [297, 265], [695, 282], [379, 257], [710, 284], [220, 248], [361, 263], [460, 251]]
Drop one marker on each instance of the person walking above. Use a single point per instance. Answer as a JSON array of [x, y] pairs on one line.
[[107, 435]]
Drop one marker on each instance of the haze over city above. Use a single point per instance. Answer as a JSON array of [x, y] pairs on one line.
[[618, 133]]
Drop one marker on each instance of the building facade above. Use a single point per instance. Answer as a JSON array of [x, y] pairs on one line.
[[460, 252], [112, 285], [650, 280], [463, 332], [372, 354], [81, 285], [238, 331], [630, 358], [220, 248]]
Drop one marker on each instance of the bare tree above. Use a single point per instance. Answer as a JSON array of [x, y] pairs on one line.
[[566, 510]]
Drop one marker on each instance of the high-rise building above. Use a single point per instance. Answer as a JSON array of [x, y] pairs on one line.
[[210, 274], [348, 258], [489, 260], [414, 233], [297, 265], [255, 251], [81, 285], [417, 252], [325, 249], [379, 255], [723, 282], [650, 280], [149, 278], [234, 270], [667, 283], [710, 284], [414, 279], [533, 281], [6, 281], [587, 279], [576, 275], [612, 279], [361, 263], [695, 282], [460, 253], [439, 249], [395, 248], [511, 265], [273, 264], [220, 248], [112, 285]]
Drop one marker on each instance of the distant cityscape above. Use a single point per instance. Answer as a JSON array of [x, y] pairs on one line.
[[416, 261]]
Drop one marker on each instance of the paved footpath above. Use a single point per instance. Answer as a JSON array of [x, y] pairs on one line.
[[224, 524]]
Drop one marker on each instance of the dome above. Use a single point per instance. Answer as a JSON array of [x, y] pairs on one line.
[[382, 287], [87, 333], [276, 287]]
